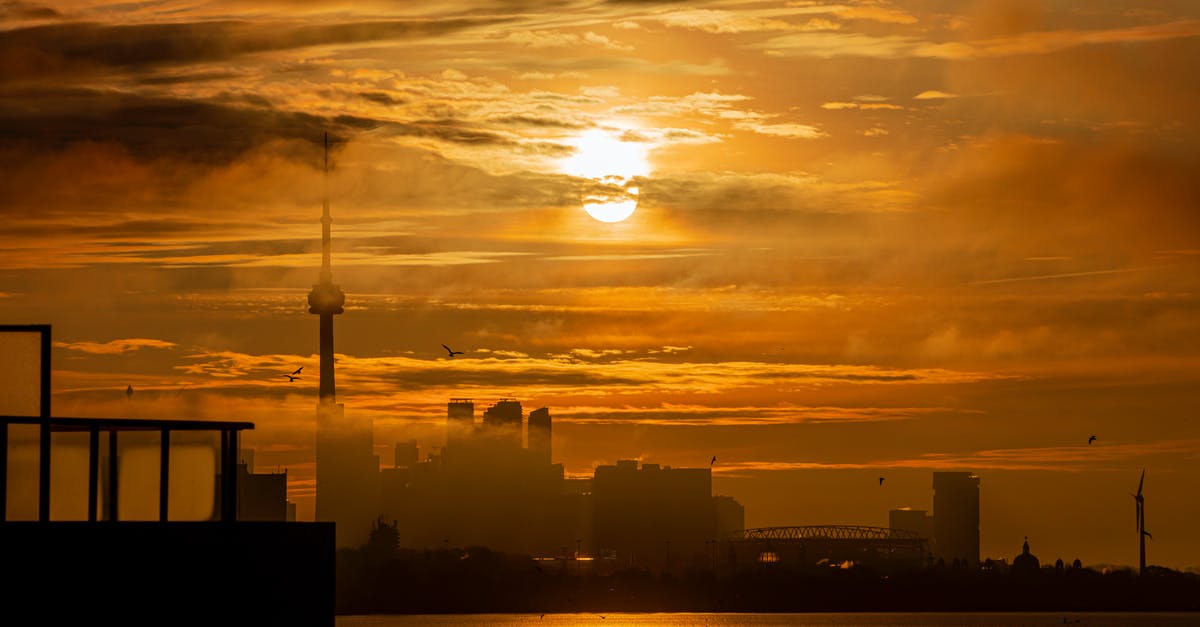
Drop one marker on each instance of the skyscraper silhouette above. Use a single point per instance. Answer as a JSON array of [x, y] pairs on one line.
[[460, 420], [956, 517], [502, 422], [538, 427]]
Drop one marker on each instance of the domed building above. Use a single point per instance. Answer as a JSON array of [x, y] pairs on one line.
[[1026, 563]]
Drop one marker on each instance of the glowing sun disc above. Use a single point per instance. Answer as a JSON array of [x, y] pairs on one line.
[[610, 211]]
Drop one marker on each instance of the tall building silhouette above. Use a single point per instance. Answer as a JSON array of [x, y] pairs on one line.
[[460, 420], [654, 516], [347, 470], [956, 517], [908, 519], [539, 434], [502, 422]]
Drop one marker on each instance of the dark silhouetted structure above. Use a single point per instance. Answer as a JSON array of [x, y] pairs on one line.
[[823, 546], [484, 489], [1140, 505], [1026, 564], [460, 420], [347, 469], [502, 422], [731, 515], [915, 520], [261, 496], [539, 434], [92, 542], [645, 515], [407, 454], [956, 517]]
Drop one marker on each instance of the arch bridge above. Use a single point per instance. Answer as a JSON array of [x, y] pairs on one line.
[[813, 545]]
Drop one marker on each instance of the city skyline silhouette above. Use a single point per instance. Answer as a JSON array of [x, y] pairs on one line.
[[860, 241]]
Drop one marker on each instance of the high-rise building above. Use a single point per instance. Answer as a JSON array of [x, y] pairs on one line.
[[460, 420], [407, 454], [956, 517], [502, 422], [656, 516], [261, 496], [731, 515], [917, 521], [347, 468], [539, 434]]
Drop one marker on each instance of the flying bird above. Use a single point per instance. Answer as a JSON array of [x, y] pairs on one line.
[[1091, 439], [881, 481], [297, 370], [714, 460], [452, 352]]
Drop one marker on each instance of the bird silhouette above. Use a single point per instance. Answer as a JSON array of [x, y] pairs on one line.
[[1091, 439], [881, 481], [129, 391], [291, 377], [452, 352], [714, 460], [297, 370]]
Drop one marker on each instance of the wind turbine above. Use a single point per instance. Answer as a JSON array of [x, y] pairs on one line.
[[1140, 501]]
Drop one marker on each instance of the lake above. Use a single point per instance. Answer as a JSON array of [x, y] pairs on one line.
[[880, 619]]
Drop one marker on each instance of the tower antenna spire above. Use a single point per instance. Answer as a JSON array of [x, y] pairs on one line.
[[326, 299], [326, 243]]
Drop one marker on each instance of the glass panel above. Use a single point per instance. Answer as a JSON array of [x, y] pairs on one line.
[[68, 476], [20, 373], [23, 456], [137, 475], [102, 512], [192, 493]]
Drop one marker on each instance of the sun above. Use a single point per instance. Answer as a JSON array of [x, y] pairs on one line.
[[609, 164]]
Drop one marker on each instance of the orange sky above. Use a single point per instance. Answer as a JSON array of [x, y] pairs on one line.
[[871, 238]]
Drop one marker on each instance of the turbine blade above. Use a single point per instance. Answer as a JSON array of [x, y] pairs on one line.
[[1140, 481]]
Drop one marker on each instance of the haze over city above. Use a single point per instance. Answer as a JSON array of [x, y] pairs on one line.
[[822, 243]]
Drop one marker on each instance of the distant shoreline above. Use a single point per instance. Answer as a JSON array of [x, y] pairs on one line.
[[485, 582]]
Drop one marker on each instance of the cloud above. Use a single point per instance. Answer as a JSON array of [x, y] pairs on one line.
[[717, 21], [792, 192], [18, 11], [789, 130], [1047, 277], [115, 347], [864, 106], [49, 119], [794, 17], [1054, 459], [680, 415], [79, 48], [586, 373], [559, 39], [876, 13], [933, 94], [828, 45]]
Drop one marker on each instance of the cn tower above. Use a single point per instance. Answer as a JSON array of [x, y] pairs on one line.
[[347, 468], [326, 299]]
